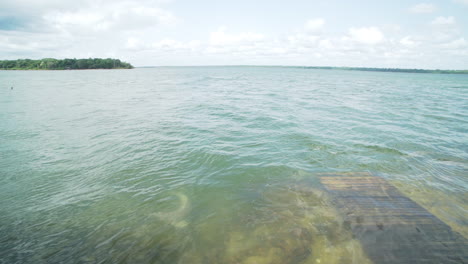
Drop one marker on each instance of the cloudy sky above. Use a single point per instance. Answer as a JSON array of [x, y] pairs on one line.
[[367, 33]]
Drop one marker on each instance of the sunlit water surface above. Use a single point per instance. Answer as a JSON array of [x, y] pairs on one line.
[[216, 164]]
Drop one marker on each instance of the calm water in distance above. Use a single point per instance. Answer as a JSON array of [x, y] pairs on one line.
[[216, 164]]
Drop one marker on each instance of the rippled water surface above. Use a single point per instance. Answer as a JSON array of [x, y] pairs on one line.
[[217, 164]]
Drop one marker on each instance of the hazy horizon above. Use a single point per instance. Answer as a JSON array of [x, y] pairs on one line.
[[338, 67], [278, 65]]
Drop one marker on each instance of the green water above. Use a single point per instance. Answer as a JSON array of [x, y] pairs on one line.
[[217, 164]]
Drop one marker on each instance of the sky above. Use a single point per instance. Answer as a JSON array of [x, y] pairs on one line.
[[358, 33]]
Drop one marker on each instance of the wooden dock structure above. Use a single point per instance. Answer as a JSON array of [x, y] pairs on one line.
[[391, 227]]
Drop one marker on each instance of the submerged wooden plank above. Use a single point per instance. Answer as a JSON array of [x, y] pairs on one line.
[[391, 227]]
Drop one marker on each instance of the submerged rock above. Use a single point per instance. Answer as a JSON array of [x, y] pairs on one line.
[[176, 217]]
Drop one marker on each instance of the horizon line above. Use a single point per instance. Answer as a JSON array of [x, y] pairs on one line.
[[302, 66]]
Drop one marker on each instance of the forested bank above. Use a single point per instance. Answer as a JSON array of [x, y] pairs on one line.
[[389, 70], [64, 64]]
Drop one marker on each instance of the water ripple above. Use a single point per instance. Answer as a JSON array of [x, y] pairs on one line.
[[92, 160]]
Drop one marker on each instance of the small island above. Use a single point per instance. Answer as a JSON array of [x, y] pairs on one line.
[[64, 64]]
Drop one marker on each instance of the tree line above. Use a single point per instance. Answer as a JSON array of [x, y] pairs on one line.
[[389, 70], [64, 64]]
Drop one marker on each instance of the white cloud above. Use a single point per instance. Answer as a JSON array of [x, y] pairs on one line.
[[220, 37], [15, 44], [114, 16], [164, 45], [174, 45], [134, 43], [302, 40], [462, 1], [423, 8], [460, 43], [444, 29], [408, 42], [82, 15], [61, 20], [366, 35], [326, 44], [314, 25], [444, 21]]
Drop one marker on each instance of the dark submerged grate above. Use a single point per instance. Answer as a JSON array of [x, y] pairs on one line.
[[391, 227]]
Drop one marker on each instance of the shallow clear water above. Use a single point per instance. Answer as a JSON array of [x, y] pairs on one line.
[[216, 164]]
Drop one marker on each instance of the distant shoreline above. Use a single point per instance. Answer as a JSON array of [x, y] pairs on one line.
[[390, 70], [64, 64], [67, 69], [115, 64], [438, 71]]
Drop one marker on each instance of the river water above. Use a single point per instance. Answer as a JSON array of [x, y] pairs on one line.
[[217, 164]]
